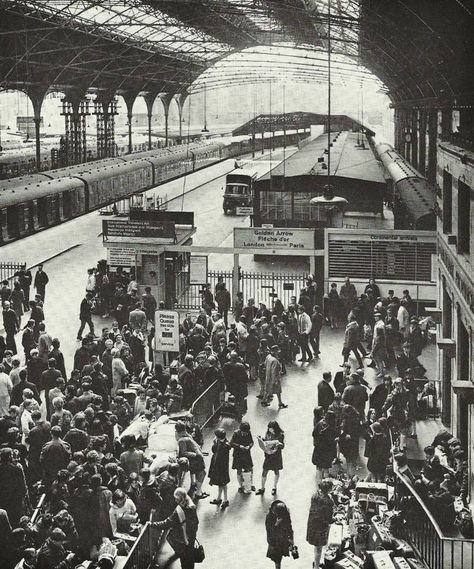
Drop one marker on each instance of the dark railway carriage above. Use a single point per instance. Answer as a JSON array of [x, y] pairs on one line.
[[413, 198], [35, 206]]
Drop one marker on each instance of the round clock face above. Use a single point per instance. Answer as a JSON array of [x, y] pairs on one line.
[[407, 137]]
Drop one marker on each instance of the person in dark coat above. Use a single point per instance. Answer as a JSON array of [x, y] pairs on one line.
[[236, 378], [279, 532], [274, 443], [16, 397], [242, 443], [82, 357], [58, 356], [377, 450], [219, 468], [184, 515], [28, 338], [324, 443], [319, 519], [352, 340], [341, 378], [11, 326], [149, 500], [167, 483], [100, 500], [349, 437], [38, 436], [55, 456], [53, 555], [317, 321], [223, 302], [40, 282], [13, 490], [379, 395], [356, 395], [325, 391]]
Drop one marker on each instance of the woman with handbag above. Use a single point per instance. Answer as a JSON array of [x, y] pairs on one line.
[[279, 532], [319, 519], [183, 525]]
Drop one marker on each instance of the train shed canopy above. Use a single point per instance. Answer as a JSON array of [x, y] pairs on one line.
[[417, 50], [297, 120]]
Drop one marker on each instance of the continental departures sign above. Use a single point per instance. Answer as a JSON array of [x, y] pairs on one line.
[[125, 228], [273, 238]]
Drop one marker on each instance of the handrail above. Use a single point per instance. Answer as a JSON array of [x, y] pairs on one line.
[[205, 396], [420, 501], [429, 515]]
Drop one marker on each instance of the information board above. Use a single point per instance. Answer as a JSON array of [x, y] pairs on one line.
[[166, 331], [121, 256], [132, 229], [198, 270], [273, 238], [402, 256]]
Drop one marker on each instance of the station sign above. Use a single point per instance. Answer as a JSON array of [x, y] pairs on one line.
[[274, 238], [198, 270], [121, 256], [134, 229], [166, 331]]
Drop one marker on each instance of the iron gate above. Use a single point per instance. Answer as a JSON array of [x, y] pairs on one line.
[[262, 287], [7, 270]]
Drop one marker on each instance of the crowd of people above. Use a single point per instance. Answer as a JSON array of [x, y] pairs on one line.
[[60, 434]]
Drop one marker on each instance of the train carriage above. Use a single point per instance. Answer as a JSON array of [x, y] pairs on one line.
[[35, 206]]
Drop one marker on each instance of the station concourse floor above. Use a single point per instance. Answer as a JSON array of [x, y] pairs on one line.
[[235, 538]]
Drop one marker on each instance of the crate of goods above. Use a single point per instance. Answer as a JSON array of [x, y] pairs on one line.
[[375, 488]]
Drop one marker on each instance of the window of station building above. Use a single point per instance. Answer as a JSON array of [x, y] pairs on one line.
[[464, 218], [447, 202]]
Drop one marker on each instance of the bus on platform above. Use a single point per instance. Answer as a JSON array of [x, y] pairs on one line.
[[238, 196]]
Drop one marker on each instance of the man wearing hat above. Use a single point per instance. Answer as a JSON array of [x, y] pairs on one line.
[[53, 553], [273, 378]]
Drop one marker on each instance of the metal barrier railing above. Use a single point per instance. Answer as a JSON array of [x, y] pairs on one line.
[[207, 405], [38, 508], [425, 535], [145, 549]]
